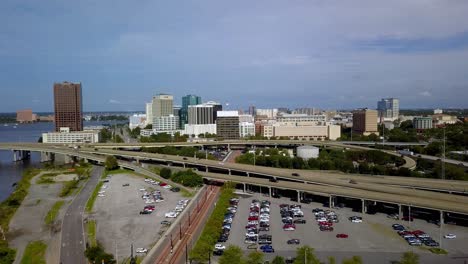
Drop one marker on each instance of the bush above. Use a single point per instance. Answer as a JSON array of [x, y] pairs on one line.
[[111, 163], [187, 178], [97, 254], [165, 173]]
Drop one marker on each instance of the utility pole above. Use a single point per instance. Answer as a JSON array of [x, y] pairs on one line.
[[443, 156]]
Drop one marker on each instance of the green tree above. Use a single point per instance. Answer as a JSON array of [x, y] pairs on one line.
[[255, 257], [278, 260], [232, 254], [165, 173], [409, 258], [305, 255], [97, 254], [111, 163], [353, 260]]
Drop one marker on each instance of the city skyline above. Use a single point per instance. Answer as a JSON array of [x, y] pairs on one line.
[[327, 55]]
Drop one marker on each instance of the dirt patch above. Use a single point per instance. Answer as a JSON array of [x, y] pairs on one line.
[[65, 177]]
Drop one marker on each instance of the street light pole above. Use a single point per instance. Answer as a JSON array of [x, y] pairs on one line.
[[443, 157]]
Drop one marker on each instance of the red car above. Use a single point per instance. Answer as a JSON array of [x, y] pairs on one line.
[[341, 235], [253, 218], [162, 184], [325, 224], [418, 232], [250, 226]]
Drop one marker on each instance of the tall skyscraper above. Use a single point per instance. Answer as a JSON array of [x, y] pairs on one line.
[[186, 101], [162, 105], [252, 110], [68, 106], [227, 125], [389, 108]]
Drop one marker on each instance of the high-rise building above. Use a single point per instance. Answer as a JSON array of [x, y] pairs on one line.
[[227, 125], [68, 106], [200, 114], [25, 116], [186, 102], [365, 122], [162, 105], [389, 108], [252, 110], [166, 123], [216, 108], [149, 113], [421, 123]]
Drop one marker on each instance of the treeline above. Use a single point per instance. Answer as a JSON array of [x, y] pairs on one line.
[[164, 137], [349, 161], [433, 169], [187, 178], [109, 118], [182, 151], [212, 230]]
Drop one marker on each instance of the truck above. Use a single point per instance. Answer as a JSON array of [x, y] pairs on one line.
[[406, 152]]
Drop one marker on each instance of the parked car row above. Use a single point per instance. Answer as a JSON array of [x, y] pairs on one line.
[[325, 219], [415, 238], [227, 224], [178, 209], [291, 215], [162, 184]]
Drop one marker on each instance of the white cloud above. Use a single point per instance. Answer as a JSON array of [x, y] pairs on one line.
[[113, 101], [425, 93]]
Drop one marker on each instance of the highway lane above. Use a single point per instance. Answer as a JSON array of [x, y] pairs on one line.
[[73, 240]]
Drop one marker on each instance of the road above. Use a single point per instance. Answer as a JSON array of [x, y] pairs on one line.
[[451, 161], [73, 241]]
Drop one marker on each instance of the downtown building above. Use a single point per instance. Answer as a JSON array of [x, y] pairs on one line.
[[68, 106], [365, 122], [187, 101], [227, 125], [388, 109]]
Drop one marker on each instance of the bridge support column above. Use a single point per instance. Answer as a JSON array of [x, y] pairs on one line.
[[298, 196], [331, 202], [364, 207], [400, 212], [245, 189], [229, 172], [441, 219], [269, 191], [46, 156], [183, 165], [248, 174], [21, 155], [206, 169]]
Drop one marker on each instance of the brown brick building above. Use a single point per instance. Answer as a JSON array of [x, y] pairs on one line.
[[365, 122], [68, 106]]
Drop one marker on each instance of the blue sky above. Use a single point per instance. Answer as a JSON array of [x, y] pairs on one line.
[[312, 53]]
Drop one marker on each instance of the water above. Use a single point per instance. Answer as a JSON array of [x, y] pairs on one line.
[[11, 172]]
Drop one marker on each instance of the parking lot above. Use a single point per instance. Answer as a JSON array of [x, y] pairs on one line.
[[374, 234], [117, 213]]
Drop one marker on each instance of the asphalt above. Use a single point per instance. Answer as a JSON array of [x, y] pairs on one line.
[[73, 241]]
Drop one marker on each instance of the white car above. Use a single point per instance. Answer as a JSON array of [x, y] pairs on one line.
[[147, 180], [450, 236], [356, 220], [171, 215], [143, 189], [101, 192], [141, 250], [101, 195], [167, 186], [220, 247]]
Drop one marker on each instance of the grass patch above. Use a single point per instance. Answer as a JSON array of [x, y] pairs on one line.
[[34, 253], [68, 187], [117, 171], [186, 193], [212, 229], [53, 212], [45, 180], [92, 198], [91, 231], [438, 251]]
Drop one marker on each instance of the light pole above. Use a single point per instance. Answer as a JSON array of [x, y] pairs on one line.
[[443, 156]]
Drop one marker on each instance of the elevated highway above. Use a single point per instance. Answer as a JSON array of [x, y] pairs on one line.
[[397, 190]]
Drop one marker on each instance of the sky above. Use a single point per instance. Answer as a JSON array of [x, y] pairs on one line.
[[328, 54]]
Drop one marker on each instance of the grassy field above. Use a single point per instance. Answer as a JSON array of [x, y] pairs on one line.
[[68, 188], [91, 231], [34, 253], [92, 198], [53, 212]]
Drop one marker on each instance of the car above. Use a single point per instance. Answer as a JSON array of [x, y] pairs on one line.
[[166, 223], [171, 215], [175, 189], [142, 190], [295, 174], [146, 212], [294, 241], [125, 184], [289, 227], [218, 252], [162, 184], [101, 195], [450, 236], [141, 250], [167, 186], [356, 220], [341, 235], [299, 221], [393, 216], [264, 228], [223, 238], [252, 218], [220, 246], [326, 228]]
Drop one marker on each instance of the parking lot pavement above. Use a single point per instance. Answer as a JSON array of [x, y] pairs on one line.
[[119, 223], [374, 234]]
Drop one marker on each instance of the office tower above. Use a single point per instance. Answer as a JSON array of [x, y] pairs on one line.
[[200, 114], [216, 108], [389, 108], [252, 110], [162, 105], [186, 101], [365, 122], [227, 125], [68, 106], [149, 113]]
